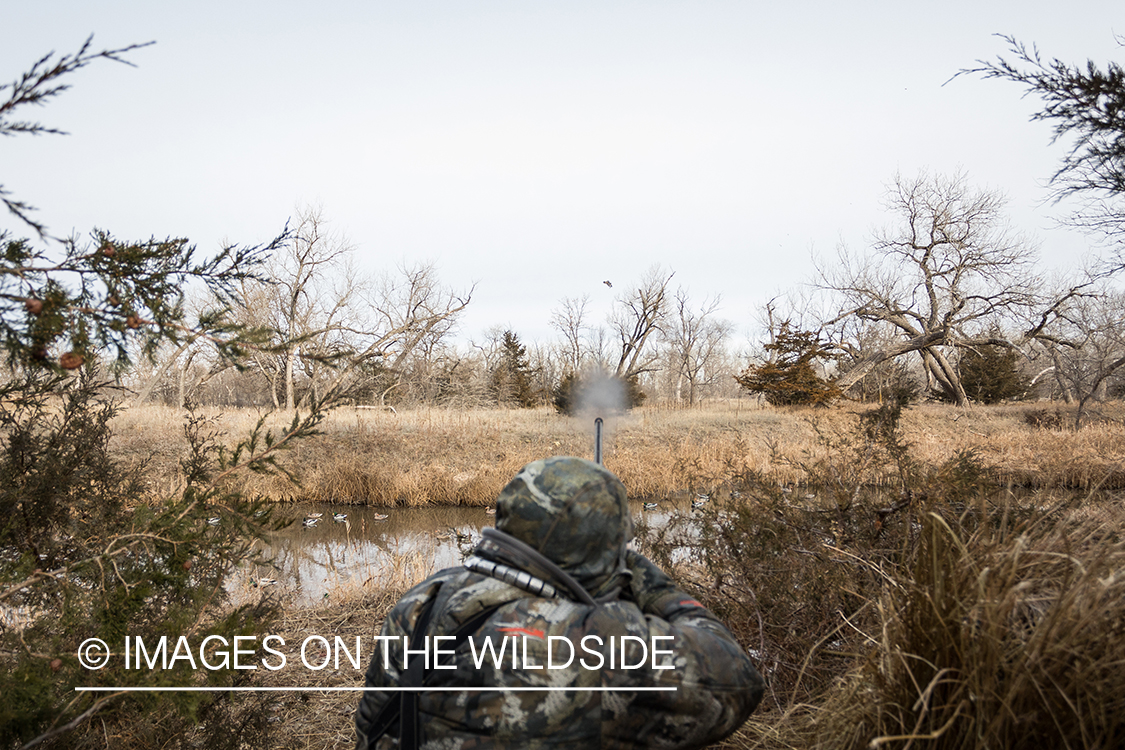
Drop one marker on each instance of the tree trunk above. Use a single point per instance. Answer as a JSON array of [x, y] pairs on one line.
[[146, 389], [290, 357], [936, 363], [869, 362]]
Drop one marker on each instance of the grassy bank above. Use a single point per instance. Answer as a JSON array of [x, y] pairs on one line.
[[435, 456]]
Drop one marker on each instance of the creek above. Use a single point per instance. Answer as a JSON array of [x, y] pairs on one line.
[[366, 553]]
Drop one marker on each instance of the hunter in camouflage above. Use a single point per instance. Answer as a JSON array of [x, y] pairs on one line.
[[553, 575]]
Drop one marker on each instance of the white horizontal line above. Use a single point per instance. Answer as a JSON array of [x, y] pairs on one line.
[[313, 689]]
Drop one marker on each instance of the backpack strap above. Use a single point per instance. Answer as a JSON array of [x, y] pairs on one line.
[[404, 710]]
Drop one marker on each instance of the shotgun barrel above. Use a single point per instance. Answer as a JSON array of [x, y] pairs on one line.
[[598, 441]]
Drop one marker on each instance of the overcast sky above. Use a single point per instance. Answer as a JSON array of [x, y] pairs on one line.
[[538, 148]]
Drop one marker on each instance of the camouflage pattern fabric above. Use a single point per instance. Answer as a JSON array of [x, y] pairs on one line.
[[575, 514]]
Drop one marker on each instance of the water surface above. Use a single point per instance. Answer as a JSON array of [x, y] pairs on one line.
[[362, 553]]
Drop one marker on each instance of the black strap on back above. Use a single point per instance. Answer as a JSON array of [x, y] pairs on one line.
[[405, 709]]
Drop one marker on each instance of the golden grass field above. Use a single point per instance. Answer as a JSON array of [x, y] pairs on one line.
[[438, 456]]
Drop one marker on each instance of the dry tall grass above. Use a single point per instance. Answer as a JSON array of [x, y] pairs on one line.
[[994, 638], [439, 456]]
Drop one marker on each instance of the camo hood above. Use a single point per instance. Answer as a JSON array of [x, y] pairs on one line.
[[573, 512]]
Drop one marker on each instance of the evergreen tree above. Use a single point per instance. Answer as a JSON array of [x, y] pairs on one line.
[[511, 378], [85, 550], [991, 374], [564, 395], [789, 377]]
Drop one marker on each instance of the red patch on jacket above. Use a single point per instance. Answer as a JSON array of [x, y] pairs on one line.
[[525, 631]]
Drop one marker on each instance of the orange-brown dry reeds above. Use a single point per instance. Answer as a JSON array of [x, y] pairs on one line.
[[1001, 638], [435, 456]]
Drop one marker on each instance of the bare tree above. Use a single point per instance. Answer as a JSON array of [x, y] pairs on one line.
[[950, 269], [333, 326], [636, 316], [696, 343], [548, 364], [408, 311], [1087, 346], [256, 309], [599, 349], [570, 320], [191, 360], [307, 304]]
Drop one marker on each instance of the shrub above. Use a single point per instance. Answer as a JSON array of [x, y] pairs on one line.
[[941, 609], [85, 551], [998, 635], [991, 374], [789, 377]]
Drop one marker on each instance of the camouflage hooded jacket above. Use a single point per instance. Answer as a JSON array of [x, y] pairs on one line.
[[560, 603]]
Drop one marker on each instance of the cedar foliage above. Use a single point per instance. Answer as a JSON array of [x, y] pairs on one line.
[[511, 378], [1085, 103], [86, 549], [991, 374], [789, 378]]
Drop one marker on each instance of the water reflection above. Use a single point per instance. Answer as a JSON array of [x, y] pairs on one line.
[[362, 553]]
